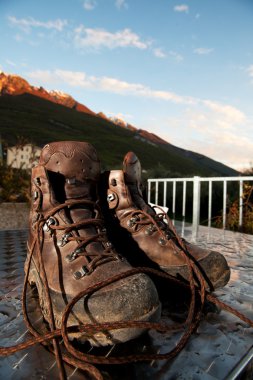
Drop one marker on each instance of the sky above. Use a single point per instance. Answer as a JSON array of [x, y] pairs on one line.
[[180, 69]]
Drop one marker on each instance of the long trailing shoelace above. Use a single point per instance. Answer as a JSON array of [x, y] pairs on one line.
[[86, 361]]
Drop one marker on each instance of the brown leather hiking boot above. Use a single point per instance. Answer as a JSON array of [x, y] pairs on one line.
[[68, 238], [152, 237]]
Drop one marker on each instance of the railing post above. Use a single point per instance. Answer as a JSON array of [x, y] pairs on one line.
[[149, 191], [195, 206], [210, 198], [164, 193], [184, 200], [156, 192], [174, 201], [224, 214], [240, 203]]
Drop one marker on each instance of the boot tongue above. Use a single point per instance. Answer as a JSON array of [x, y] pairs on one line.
[[79, 164], [79, 190], [85, 191]]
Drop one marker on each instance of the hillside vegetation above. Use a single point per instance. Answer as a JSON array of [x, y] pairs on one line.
[[40, 121]]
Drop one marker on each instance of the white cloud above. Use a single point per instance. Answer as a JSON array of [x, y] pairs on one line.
[[181, 8], [97, 38], [120, 4], [42, 77], [223, 112], [230, 114], [89, 5], [119, 115], [214, 130], [203, 51], [199, 129], [107, 84], [26, 24], [230, 148], [158, 52]]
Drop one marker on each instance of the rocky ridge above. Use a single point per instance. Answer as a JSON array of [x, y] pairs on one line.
[[15, 85]]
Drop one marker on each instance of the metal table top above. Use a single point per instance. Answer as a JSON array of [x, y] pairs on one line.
[[217, 347]]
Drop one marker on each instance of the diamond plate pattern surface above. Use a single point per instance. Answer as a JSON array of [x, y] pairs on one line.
[[217, 346]]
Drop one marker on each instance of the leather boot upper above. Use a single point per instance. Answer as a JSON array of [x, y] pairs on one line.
[[153, 231], [67, 231]]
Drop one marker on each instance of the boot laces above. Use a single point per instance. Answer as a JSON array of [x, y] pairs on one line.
[[71, 233], [159, 222]]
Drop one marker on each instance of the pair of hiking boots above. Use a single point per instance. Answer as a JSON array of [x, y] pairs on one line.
[[74, 209]]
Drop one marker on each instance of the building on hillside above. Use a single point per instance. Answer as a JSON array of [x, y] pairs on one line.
[[23, 157], [143, 139]]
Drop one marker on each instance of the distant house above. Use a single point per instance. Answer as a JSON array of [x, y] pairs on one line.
[[143, 139], [23, 156]]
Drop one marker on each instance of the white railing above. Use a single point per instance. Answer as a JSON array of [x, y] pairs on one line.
[[196, 181]]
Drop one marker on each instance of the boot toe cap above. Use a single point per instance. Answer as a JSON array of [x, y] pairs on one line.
[[132, 299]]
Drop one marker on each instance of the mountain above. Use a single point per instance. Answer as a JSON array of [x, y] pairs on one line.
[[15, 85], [39, 116], [152, 139]]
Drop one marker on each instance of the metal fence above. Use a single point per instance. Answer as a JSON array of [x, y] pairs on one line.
[[158, 185]]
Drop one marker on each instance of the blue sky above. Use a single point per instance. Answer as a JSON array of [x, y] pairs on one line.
[[182, 70]]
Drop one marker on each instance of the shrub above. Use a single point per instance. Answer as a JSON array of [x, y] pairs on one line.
[[232, 217], [14, 184]]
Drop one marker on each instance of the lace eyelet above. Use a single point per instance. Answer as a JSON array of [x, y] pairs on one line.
[[149, 230], [132, 221], [72, 256], [64, 240], [107, 244], [162, 241], [120, 258], [110, 197], [81, 273], [50, 221]]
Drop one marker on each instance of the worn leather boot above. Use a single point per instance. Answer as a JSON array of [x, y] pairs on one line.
[[68, 233], [152, 237]]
